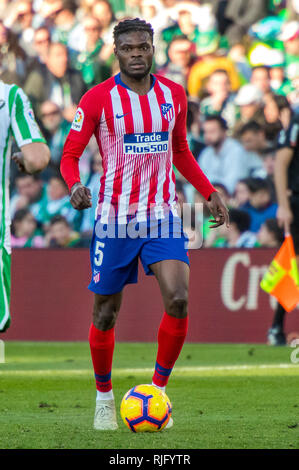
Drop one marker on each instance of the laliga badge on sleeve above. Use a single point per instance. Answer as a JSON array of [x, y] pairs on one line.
[[78, 120]]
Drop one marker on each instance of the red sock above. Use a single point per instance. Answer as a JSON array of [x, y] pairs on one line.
[[101, 348], [171, 337]]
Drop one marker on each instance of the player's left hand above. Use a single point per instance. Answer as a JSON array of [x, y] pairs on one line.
[[218, 210], [18, 158]]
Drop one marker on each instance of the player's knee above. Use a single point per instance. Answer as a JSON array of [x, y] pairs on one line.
[[104, 316], [178, 306], [104, 320]]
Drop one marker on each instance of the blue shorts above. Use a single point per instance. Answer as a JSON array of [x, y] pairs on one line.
[[114, 258]]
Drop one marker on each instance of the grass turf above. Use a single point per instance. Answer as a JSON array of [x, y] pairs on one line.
[[223, 396]]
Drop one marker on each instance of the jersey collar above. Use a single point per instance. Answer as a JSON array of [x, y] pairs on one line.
[[118, 81]]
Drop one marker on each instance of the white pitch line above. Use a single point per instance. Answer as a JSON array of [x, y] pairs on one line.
[[145, 370], [220, 368]]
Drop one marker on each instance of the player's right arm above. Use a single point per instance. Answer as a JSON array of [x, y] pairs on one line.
[[83, 126]]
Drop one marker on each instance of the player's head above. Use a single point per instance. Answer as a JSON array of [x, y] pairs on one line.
[[133, 46]]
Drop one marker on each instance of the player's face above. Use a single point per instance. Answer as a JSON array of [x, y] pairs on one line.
[[135, 51]]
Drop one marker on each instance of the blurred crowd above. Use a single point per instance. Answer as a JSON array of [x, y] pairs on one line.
[[238, 62]]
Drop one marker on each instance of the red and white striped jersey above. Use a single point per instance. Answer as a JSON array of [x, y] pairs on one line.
[[137, 136]]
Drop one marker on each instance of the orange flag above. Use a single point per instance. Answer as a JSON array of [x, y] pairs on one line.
[[282, 280]]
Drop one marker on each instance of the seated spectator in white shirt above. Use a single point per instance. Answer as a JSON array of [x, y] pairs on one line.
[[225, 160]]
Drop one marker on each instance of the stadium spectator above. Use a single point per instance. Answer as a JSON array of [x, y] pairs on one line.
[[20, 21], [237, 54], [180, 54], [238, 235], [55, 129], [66, 29], [102, 10], [270, 235], [290, 37], [224, 160], [30, 192], [60, 233], [57, 201], [41, 42], [208, 63], [250, 101], [12, 57], [220, 100], [280, 84], [260, 78], [60, 84], [253, 138], [260, 207], [241, 194], [87, 61], [24, 231], [241, 15]]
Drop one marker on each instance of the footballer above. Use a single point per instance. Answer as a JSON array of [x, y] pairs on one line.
[[139, 121]]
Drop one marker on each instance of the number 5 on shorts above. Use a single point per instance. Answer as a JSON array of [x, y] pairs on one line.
[[98, 258]]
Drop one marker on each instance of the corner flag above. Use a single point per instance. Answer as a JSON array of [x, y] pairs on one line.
[[282, 279]]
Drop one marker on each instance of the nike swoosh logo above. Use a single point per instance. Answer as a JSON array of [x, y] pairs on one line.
[[2, 103], [118, 116]]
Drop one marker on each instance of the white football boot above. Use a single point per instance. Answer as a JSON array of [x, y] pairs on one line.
[[169, 424], [105, 416]]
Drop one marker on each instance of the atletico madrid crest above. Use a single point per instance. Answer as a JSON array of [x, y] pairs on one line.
[[167, 111]]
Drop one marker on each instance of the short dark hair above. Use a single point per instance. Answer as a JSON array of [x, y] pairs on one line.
[[222, 122], [130, 26], [59, 219], [240, 218], [273, 227], [20, 215], [258, 184], [251, 126]]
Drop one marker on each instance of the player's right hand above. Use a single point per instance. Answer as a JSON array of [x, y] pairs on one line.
[[80, 197]]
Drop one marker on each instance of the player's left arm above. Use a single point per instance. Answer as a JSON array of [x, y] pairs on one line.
[[189, 168], [35, 154]]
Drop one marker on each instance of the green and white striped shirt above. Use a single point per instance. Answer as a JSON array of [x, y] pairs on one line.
[[16, 119]]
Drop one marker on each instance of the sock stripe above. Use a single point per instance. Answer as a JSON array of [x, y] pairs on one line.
[[103, 378], [162, 370]]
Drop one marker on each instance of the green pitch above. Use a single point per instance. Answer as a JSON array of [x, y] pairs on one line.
[[223, 396]]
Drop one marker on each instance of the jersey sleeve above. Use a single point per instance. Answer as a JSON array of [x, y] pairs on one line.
[[290, 137], [83, 126], [23, 124], [182, 156]]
